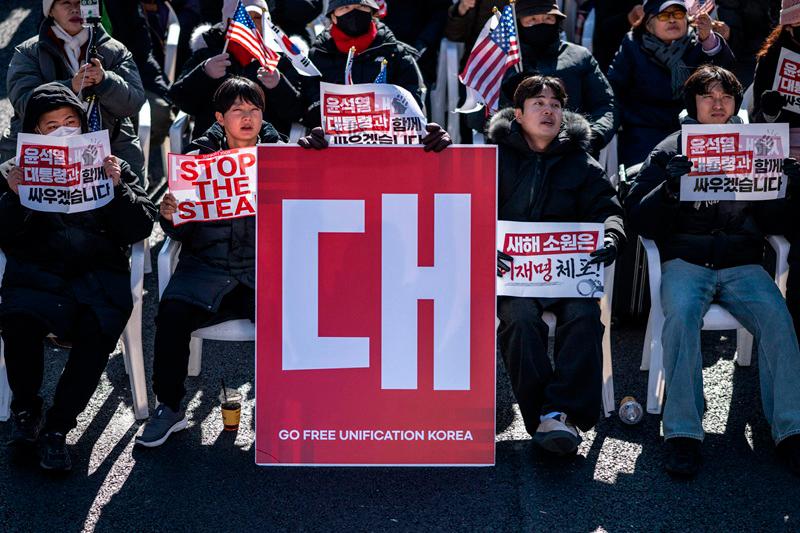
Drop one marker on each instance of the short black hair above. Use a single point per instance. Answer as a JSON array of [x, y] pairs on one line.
[[535, 85], [703, 78], [237, 88]]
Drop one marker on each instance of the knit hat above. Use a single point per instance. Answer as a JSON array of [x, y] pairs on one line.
[[336, 4], [538, 7], [790, 12], [229, 7], [654, 7], [46, 6], [46, 98]]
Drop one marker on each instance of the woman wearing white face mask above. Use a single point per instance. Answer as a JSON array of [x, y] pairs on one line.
[[66, 274], [60, 53]]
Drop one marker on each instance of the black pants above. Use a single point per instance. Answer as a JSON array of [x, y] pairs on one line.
[[174, 326], [23, 337], [574, 386]]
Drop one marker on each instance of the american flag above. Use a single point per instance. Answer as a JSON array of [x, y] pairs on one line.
[[382, 75], [495, 51], [245, 42], [95, 121]]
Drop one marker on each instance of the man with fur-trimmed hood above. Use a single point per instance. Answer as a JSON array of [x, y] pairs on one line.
[[546, 175]]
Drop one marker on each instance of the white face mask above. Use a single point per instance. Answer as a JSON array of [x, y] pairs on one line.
[[65, 131]]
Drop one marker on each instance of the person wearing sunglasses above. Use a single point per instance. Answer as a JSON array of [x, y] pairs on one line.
[[654, 61]]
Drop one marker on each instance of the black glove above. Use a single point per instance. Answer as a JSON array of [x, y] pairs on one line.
[[772, 103], [677, 167], [503, 263], [316, 140], [607, 254], [791, 167], [437, 138]]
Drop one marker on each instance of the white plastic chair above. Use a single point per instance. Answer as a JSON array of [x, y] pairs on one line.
[[605, 317], [232, 330], [131, 342], [608, 159], [145, 126], [171, 46], [451, 57], [716, 319], [180, 128]]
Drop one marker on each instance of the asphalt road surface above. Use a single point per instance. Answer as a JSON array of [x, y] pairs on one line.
[[205, 480]]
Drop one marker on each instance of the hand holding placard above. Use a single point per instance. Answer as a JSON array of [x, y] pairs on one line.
[[677, 167], [14, 178]]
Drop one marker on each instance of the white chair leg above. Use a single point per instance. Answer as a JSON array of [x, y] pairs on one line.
[[648, 341], [134, 355], [195, 356], [125, 357], [655, 379], [744, 347], [609, 406], [5, 389]]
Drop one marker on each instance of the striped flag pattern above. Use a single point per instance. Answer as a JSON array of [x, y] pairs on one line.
[[495, 51], [245, 42], [348, 67], [94, 119]]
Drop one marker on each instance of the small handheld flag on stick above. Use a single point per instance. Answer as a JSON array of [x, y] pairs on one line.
[[495, 51], [382, 75], [245, 43]]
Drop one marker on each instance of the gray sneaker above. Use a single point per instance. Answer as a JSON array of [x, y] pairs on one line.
[[160, 426], [558, 436]]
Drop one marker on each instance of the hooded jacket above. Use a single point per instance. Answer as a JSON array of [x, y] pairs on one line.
[[648, 109], [589, 92], [41, 60], [401, 69], [562, 184], [218, 255], [194, 90], [58, 262], [713, 235]]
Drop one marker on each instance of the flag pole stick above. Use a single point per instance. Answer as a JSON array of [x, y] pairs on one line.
[[518, 66], [225, 47]]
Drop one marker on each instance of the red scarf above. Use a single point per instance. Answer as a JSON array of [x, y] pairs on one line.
[[344, 42]]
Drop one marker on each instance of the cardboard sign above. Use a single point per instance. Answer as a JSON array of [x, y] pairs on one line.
[[370, 113], [787, 79], [551, 260], [735, 161], [64, 174], [375, 306], [214, 186]]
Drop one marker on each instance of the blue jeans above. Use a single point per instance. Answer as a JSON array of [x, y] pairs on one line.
[[751, 296]]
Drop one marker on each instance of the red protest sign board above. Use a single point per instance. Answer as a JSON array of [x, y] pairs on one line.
[[376, 306], [213, 186]]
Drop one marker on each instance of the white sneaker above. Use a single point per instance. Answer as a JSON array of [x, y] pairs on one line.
[[558, 436]]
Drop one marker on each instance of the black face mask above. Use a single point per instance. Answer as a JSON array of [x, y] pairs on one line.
[[355, 22], [539, 35]]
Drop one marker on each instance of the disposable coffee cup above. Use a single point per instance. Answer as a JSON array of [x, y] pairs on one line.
[[231, 401]]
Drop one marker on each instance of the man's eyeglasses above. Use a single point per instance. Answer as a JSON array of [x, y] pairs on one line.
[[677, 14]]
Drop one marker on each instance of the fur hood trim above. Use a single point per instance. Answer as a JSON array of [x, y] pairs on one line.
[[575, 131]]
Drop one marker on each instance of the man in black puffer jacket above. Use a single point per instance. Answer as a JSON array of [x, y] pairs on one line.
[[209, 67], [215, 277], [354, 25], [713, 251], [546, 175], [66, 274]]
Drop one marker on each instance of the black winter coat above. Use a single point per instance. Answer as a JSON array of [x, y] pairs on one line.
[[562, 184], [215, 256], [713, 235], [401, 69], [193, 91], [588, 90], [648, 110], [765, 76], [59, 263]]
